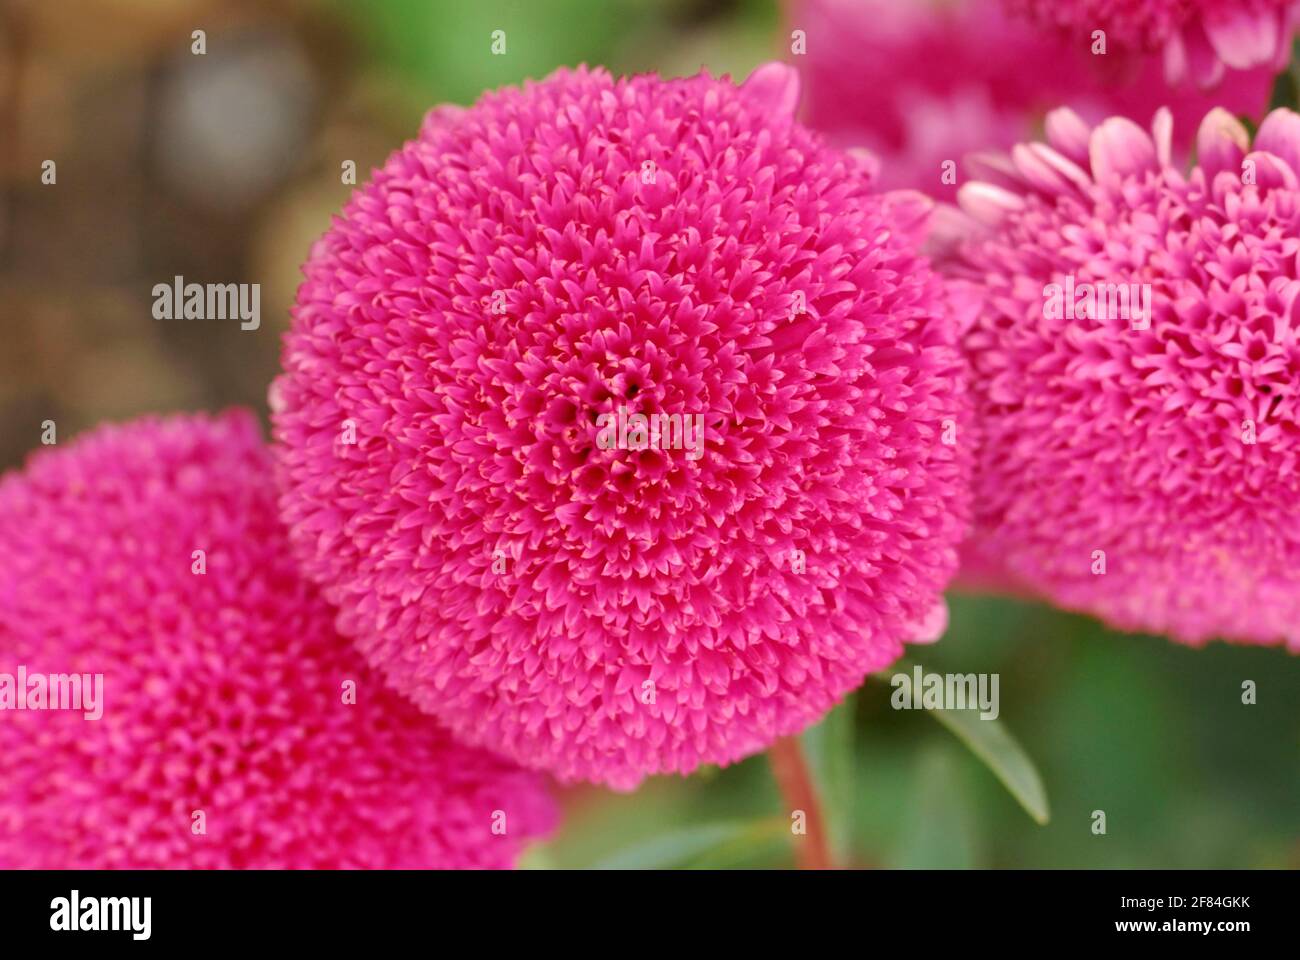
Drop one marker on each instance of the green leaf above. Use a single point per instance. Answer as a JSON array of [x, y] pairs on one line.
[[1284, 91], [764, 840], [992, 743], [1286, 85], [678, 848], [939, 833]]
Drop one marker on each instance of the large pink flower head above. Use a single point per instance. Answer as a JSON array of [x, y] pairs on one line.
[[923, 83], [232, 727], [1199, 39], [463, 472], [1135, 364]]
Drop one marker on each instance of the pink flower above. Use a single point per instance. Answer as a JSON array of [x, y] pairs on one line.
[[1135, 364], [925, 82], [1198, 38], [489, 311], [226, 736]]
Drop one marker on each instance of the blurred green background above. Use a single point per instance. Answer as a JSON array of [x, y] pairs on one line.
[[226, 168]]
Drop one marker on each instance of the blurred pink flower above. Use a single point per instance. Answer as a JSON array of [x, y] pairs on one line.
[[923, 82], [1135, 358], [543, 259], [223, 691], [1197, 38]]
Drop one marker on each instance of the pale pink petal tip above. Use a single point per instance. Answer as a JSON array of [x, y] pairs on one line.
[[1279, 134], [1068, 133], [1162, 133], [1174, 57], [1221, 142], [910, 211], [1190, 55], [1119, 148], [947, 227], [1045, 169], [866, 161], [1242, 38], [275, 397], [776, 86], [987, 203], [1203, 62], [995, 167], [932, 627], [1061, 165], [442, 116]]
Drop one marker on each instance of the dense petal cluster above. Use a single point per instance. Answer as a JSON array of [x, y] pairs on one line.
[[236, 728], [1134, 367], [472, 332], [1199, 39], [923, 83]]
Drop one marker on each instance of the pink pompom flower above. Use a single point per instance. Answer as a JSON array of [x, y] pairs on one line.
[[923, 83], [1134, 366], [1199, 39], [461, 466], [231, 726]]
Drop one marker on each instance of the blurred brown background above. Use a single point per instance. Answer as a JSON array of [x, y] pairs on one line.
[[224, 167]]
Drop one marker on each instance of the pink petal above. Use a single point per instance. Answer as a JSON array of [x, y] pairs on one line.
[[987, 203], [932, 627], [910, 211], [1221, 142], [1271, 170], [776, 85], [1040, 174], [444, 115], [1175, 58], [866, 161], [948, 227], [965, 301], [994, 167], [1242, 38], [1279, 134], [1162, 131], [1068, 133], [1202, 62], [1120, 148], [1062, 165]]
